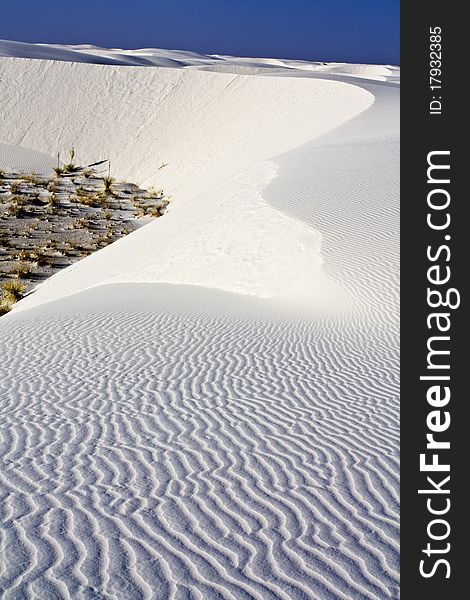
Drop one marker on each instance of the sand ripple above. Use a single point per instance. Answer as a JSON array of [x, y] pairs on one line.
[[162, 455]]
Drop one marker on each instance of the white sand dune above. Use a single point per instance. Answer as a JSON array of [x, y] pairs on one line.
[[24, 160], [208, 407]]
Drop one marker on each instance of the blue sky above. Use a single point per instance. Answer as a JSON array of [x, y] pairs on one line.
[[329, 30]]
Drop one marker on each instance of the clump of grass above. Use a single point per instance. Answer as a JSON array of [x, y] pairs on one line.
[[92, 201], [50, 244], [31, 178], [22, 269], [154, 192], [108, 184], [19, 200], [40, 258], [70, 250], [103, 241], [81, 223], [2, 174], [53, 186], [71, 167], [24, 255], [13, 291], [5, 308], [149, 211], [53, 201], [17, 207]]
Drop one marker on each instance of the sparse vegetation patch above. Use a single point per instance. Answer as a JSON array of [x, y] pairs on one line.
[[47, 223]]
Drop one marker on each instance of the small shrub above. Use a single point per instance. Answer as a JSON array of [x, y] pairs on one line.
[[59, 171], [22, 269], [19, 200], [5, 308], [104, 241], [152, 211], [53, 201], [81, 223], [71, 167], [92, 201], [71, 248], [40, 258], [155, 193], [24, 255], [17, 210], [108, 183], [13, 291], [32, 178]]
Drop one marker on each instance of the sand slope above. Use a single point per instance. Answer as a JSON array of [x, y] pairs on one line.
[[208, 408]]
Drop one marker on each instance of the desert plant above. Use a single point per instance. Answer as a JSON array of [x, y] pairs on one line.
[[71, 167], [19, 200], [31, 178], [154, 192], [53, 200], [17, 210], [59, 171], [24, 255], [5, 308], [105, 240], [108, 183], [22, 269], [40, 258], [70, 249], [148, 211], [82, 223], [13, 291], [93, 201]]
